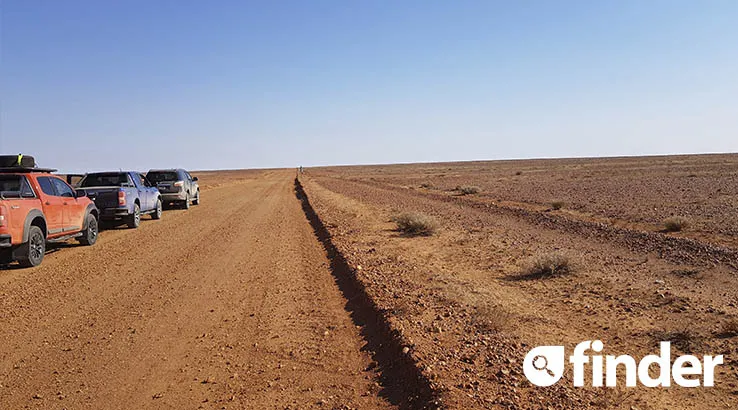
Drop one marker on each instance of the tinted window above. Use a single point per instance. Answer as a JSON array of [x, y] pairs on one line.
[[161, 176], [62, 188], [26, 190], [144, 181], [10, 183], [46, 185], [117, 179]]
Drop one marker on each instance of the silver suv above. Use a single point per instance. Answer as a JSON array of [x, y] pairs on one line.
[[176, 186]]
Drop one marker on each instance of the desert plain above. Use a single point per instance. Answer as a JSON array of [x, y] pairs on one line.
[[296, 290]]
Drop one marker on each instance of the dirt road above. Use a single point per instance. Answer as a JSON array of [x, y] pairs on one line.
[[231, 304]]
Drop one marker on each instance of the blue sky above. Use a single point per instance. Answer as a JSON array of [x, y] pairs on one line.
[[90, 85]]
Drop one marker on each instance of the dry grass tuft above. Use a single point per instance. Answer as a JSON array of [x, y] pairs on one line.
[[614, 398], [492, 318], [468, 190], [730, 328], [675, 224], [684, 339], [685, 272], [415, 224], [549, 265]]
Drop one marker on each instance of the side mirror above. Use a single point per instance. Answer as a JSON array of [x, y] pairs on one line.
[[195, 179], [80, 193]]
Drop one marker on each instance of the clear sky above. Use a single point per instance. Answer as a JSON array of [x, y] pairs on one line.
[[90, 85]]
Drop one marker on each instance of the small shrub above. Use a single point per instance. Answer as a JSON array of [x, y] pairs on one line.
[[492, 318], [556, 205], [730, 328], [468, 190], [415, 224], [548, 265], [684, 340], [675, 224], [685, 272], [427, 185], [519, 173], [614, 398]]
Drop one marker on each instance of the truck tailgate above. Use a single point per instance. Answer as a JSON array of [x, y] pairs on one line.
[[104, 197]]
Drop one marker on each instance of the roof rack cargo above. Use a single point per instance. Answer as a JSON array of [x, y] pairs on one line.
[[20, 163], [20, 160]]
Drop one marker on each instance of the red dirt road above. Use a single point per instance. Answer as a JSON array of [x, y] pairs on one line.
[[231, 304]]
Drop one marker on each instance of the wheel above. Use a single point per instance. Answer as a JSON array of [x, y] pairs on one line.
[[32, 252], [134, 220], [186, 203], [89, 236], [196, 201], [157, 211]]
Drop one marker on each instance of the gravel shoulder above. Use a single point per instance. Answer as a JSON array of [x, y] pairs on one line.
[[469, 316]]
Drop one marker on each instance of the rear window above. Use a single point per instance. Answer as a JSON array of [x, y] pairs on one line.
[[10, 183], [92, 180], [15, 186], [162, 176]]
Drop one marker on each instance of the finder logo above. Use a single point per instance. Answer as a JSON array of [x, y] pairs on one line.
[[544, 366]]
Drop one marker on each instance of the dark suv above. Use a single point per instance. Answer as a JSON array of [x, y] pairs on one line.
[[175, 186]]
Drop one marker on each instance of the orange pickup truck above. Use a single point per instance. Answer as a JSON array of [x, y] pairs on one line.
[[36, 208]]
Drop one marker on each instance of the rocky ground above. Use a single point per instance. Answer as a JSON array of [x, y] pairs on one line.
[[284, 293], [468, 313]]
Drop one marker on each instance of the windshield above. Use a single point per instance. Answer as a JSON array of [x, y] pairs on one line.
[[117, 179], [160, 176]]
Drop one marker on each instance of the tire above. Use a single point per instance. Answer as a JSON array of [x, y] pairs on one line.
[[134, 220], [186, 203], [89, 236], [196, 201], [31, 253], [157, 210]]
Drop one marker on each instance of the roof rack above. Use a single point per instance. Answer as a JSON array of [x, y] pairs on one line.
[[25, 170]]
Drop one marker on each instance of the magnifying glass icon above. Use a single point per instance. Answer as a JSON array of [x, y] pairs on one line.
[[541, 363]]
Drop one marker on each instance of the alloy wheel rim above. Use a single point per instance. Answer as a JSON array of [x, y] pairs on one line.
[[93, 228], [37, 247]]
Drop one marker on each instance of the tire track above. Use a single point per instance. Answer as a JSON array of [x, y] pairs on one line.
[[225, 305]]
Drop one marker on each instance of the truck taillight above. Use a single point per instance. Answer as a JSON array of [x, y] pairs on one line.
[[3, 215], [121, 198]]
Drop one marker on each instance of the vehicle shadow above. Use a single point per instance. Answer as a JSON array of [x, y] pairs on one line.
[[51, 248]]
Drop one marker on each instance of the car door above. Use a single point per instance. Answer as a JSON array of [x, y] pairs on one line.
[[146, 193], [53, 206], [72, 220], [153, 191], [188, 179]]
